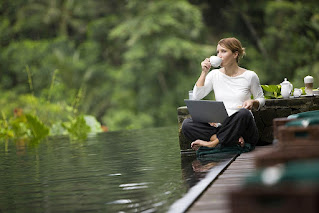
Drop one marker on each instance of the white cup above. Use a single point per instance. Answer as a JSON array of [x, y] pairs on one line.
[[215, 61], [297, 92]]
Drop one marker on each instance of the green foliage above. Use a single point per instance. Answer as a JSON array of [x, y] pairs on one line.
[[5, 130], [274, 91], [123, 118], [303, 90], [131, 63], [271, 91], [23, 126], [77, 128], [38, 129], [28, 126], [289, 36], [162, 50]]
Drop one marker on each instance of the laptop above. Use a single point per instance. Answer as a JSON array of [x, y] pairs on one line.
[[206, 111]]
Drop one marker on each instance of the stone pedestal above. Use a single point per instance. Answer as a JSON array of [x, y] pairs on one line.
[[274, 108]]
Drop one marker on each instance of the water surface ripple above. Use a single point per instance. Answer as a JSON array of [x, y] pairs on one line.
[[127, 171]]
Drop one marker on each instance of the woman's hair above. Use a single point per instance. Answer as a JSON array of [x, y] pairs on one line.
[[234, 45]]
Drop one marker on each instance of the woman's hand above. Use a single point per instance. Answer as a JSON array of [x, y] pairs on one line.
[[250, 104], [205, 69], [213, 124], [206, 65]]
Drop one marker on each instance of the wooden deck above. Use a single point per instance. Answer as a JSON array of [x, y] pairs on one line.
[[215, 199]]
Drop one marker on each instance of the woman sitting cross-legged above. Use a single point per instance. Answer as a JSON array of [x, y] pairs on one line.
[[234, 86]]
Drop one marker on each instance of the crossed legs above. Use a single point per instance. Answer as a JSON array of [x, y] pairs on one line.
[[236, 129]]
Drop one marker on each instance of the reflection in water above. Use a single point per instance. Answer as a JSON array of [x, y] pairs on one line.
[[199, 167], [129, 171], [195, 169]]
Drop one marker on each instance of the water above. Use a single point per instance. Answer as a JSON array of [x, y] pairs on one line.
[[129, 171]]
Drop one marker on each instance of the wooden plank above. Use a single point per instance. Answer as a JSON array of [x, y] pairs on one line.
[[195, 192], [216, 198]]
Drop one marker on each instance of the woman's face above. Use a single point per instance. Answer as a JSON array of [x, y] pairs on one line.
[[227, 55]]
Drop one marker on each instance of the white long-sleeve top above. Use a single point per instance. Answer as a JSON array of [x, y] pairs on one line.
[[233, 91]]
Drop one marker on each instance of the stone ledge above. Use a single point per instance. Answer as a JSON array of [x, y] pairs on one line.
[[274, 108]]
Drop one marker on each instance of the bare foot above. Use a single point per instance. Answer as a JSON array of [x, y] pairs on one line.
[[198, 143], [214, 137], [241, 142]]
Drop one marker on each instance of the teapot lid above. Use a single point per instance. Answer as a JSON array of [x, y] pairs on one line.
[[285, 81]]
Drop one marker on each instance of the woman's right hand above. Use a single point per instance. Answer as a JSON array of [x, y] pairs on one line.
[[205, 68], [213, 124], [206, 65]]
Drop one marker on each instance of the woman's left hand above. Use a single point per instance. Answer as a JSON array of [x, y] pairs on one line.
[[248, 104]]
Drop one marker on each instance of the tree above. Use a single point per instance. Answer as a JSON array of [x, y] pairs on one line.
[[162, 50], [291, 38]]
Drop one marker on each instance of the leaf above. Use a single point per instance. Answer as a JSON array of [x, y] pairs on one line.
[[271, 88], [77, 128], [38, 129], [303, 90]]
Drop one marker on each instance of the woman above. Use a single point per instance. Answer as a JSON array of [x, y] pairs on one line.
[[234, 86]]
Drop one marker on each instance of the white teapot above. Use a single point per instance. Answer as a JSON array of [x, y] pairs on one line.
[[286, 88]]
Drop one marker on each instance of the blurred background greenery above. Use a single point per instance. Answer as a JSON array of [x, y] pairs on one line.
[[131, 63]]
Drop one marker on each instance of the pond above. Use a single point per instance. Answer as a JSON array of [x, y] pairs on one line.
[[127, 171]]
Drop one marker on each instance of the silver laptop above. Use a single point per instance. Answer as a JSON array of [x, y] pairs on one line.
[[206, 111]]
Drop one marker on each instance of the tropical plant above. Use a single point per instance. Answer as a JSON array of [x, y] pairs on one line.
[[272, 91], [60, 118]]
